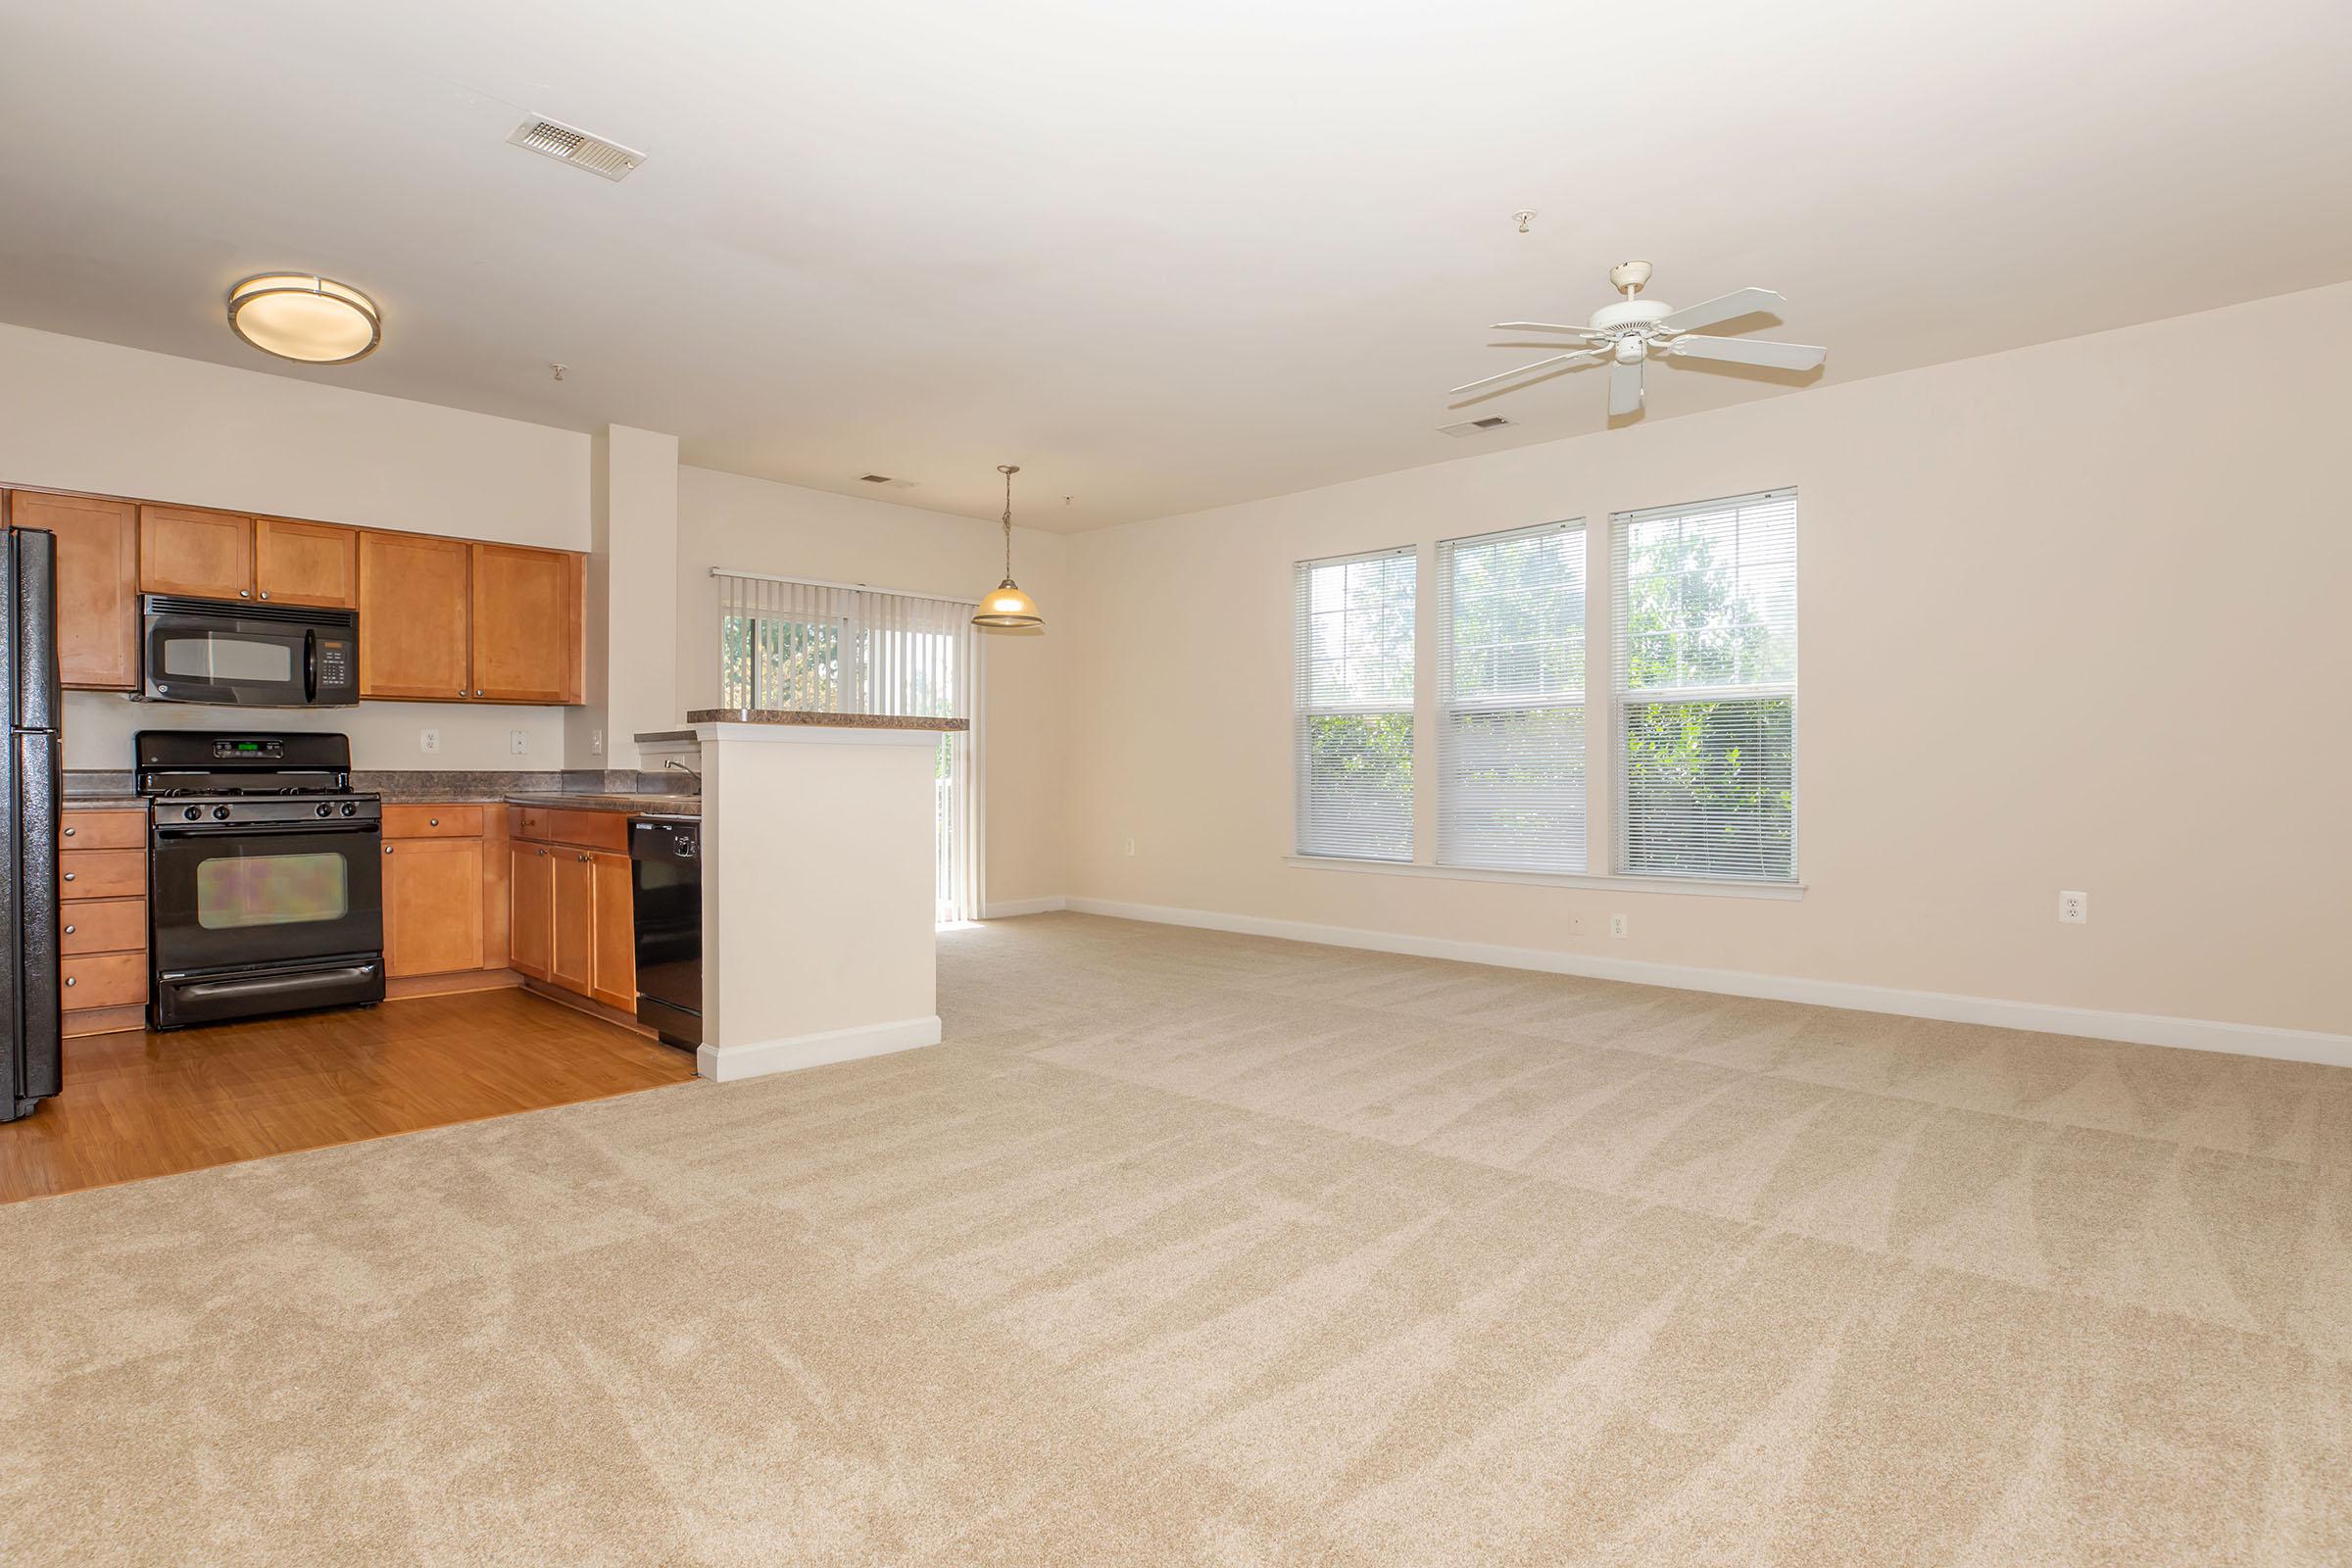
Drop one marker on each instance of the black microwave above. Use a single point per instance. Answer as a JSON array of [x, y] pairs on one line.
[[249, 656]]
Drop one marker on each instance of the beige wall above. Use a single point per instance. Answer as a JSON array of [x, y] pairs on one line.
[[2071, 618], [82, 415], [748, 524]]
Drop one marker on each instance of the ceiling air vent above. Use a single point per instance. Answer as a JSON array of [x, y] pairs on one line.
[[1493, 422], [567, 144], [884, 478]]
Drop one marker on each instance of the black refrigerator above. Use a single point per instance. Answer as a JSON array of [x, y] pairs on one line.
[[29, 980]]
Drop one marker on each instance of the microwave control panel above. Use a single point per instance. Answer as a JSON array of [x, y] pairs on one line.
[[335, 664]]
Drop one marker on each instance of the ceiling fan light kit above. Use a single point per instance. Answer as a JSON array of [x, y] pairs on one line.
[[1632, 330]]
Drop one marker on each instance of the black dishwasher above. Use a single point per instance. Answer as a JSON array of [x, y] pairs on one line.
[[666, 874]]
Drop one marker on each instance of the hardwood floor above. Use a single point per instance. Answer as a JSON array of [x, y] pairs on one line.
[[139, 1104]]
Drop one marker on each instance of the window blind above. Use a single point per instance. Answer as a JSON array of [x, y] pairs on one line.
[[1354, 706], [785, 644], [1511, 692], [1707, 688]]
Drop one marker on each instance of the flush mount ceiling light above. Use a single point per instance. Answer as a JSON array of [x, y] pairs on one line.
[[301, 315], [1006, 608]]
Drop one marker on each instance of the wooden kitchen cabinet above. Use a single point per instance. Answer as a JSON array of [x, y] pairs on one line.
[[433, 905], [204, 554], [531, 910], [527, 608], [612, 975], [416, 616], [574, 963], [97, 585], [306, 563]]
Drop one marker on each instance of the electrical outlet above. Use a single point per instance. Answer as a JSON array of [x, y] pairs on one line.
[[1617, 925], [1128, 849], [595, 743], [2074, 908], [518, 741], [428, 740]]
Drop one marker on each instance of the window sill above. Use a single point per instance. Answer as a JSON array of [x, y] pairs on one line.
[[1706, 888]]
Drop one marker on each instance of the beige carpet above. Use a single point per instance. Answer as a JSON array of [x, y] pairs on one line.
[[1195, 1248]]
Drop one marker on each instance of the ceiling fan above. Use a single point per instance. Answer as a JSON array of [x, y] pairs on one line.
[[1632, 331]]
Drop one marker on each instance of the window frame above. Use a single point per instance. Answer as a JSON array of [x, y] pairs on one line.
[[1302, 614], [1447, 707], [1620, 699]]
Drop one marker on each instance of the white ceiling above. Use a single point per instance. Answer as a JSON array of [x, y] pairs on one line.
[[1164, 255]]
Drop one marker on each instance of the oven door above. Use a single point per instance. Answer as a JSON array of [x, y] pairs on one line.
[[227, 898]]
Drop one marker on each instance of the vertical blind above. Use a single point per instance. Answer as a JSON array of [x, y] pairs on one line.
[[785, 644], [1705, 685], [1354, 706], [1512, 697]]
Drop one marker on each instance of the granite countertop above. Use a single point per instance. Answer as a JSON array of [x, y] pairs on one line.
[[803, 715], [640, 801]]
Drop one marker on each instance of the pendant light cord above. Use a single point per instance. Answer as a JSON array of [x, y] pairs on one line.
[[1008, 470]]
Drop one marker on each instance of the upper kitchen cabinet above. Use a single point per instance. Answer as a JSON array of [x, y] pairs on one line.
[[204, 554], [528, 608], [306, 563], [416, 616], [97, 585]]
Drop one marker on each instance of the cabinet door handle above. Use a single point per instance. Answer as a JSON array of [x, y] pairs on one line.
[[69, 930], [71, 980], [387, 849], [477, 691], [68, 876], [244, 593], [264, 593], [70, 832]]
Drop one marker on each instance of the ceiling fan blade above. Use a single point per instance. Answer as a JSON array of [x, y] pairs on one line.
[[1582, 357], [1625, 387], [1751, 351], [1721, 309], [1541, 327]]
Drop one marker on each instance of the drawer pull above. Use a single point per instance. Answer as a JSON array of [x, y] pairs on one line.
[[432, 821], [387, 849], [68, 876], [69, 930], [71, 980], [70, 832]]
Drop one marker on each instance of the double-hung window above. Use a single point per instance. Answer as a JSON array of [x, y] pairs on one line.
[[1706, 678], [1511, 699], [1354, 705]]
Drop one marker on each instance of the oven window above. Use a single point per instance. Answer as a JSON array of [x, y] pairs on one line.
[[228, 658], [272, 890]]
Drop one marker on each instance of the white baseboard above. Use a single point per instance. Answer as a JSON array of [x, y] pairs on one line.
[[1007, 907], [759, 1057], [2140, 1028]]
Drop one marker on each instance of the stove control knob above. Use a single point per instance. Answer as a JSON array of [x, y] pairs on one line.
[[219, 813], [192, 812], [350, 810], [325, 809]]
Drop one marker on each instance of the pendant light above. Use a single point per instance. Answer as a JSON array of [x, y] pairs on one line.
[[301, 315], [1006, 608]]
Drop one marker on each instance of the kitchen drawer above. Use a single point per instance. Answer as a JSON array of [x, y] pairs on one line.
[[527, 822], [595, 830], [105, 980], [103, 831], [102, 874], [103, 925], [432, 821]]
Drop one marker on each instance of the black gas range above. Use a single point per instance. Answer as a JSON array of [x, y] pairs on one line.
[[264, 876]]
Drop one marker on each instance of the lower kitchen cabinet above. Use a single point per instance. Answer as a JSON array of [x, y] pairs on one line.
[[574, 967], [531, 910], [433, 905], [571, 918]]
